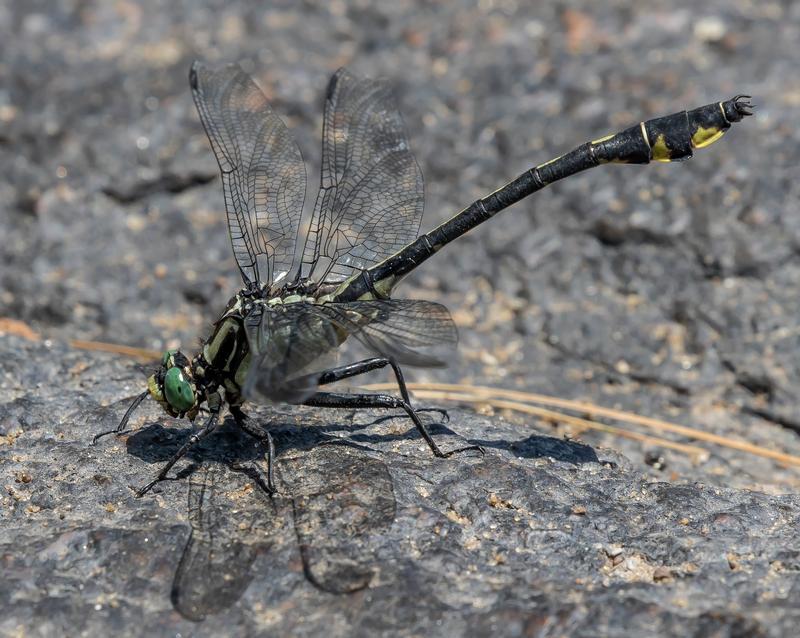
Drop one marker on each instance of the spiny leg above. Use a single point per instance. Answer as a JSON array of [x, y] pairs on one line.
[[367, 365], [341, 400], [121, 428], [261, 435], [208, 428], [352, 369]]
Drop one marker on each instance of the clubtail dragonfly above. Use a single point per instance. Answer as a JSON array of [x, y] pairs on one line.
[[300, 302]]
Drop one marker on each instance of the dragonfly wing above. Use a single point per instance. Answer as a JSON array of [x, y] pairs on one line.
[[371, 193], [411, 332], [263, 174], [290, 346]]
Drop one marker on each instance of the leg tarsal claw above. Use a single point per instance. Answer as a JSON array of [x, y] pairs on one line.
[[116, 432], [141, 491], [442, 411], [97, 437]]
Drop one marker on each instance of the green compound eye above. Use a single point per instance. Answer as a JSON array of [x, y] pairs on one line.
[[178, 390], [165, 357]]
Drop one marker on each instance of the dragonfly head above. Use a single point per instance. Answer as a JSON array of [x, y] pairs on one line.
[[172, 385]]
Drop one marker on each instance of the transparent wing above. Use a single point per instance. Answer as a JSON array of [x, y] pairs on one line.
[[290, 346], [289, 342], [263, 175], [411, 332], [371, 193]]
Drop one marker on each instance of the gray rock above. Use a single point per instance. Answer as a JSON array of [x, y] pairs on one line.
[[369, 534]]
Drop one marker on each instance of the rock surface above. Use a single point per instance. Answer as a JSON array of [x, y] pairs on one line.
[[369, 533], [671, 291]]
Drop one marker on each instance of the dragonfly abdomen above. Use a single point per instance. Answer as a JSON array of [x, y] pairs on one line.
[[663, 139]]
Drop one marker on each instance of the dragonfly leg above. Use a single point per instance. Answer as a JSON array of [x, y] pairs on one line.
[[341, 400], [262, 436], [401, 383], [208, 428], [353, 369], [123, 425], [367, 365]]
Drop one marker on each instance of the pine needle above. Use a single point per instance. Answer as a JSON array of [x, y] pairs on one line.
[[140, 354]]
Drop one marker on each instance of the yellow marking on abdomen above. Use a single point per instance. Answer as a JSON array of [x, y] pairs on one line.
[[555, 159], [660, 151], [603, 139], [706, 136]]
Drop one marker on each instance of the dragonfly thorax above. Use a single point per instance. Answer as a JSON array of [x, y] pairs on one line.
[[289, 299]]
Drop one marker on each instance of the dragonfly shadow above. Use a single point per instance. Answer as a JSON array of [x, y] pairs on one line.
[[227, 533], [435, 427], [342, 504], [156, 443], [534, 446], [539, 446], [216, 564], [340, 492]]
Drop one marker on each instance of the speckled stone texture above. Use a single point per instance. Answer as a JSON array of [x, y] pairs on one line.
[[370, 534], [669, 290]]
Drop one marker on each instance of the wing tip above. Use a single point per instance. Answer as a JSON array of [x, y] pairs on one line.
[[341, 73], [333, 82], [193, 70], [198, 67]]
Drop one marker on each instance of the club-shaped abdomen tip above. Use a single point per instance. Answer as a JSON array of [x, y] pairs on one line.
[[738, 108]]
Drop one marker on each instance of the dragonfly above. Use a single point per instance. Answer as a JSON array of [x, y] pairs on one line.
[[301, 300]]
